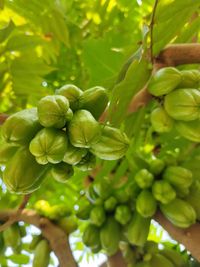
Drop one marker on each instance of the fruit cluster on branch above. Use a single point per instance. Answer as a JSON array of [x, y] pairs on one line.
[[63, 133], [60, 134]]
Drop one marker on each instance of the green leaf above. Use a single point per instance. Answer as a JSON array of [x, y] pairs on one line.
[[136, 77], [127, 3], [171, 9], [27, 85], [5, 32], [59, 27], [29, 65], [3, 68], [19, 258], [189, 31], [171, 16], [22, 42], [102, 61], [26, 72], [136, 55], [49, 18], [27, 69], [163, 37]]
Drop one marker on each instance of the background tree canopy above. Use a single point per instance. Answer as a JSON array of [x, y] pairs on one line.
[[119, 45]]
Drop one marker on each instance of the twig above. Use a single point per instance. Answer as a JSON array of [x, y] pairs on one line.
[[3, 117], [151, 30], [56, 236], [24, 202]]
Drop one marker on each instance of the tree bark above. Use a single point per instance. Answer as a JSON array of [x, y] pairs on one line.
[[3, 117], [189, 237], [58, 240], [116, 260], [180, 54]]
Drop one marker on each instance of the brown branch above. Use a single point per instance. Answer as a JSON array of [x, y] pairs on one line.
[[116, 260], [180, 54], [151, 30], [24, 202], [57, 238], [3, 117], [188, 237], [8, 222], [139, 100]]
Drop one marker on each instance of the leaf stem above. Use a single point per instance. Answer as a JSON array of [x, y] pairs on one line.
[[151, 30]]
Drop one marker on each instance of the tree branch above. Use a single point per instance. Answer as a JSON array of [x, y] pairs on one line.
[[3, 117], [139, 100], [57, 238], [180, 54], [24, 202], [188, 237], [116, 260]]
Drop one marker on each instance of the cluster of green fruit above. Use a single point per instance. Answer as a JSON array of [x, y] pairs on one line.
[[60, 133], [110, 215], [60, 214], [117, 214], [180, 95], [150, 255], [166, 188]]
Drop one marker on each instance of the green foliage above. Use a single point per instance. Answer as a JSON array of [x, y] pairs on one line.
[[167, 13]]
